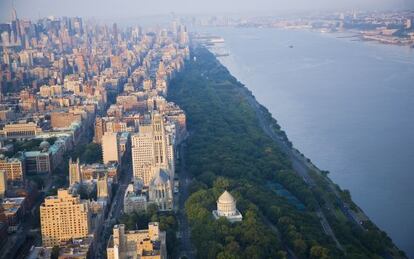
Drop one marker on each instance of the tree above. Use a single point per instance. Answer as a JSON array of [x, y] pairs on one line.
[[300, 247], [282, 254], [92, 154], [39, 182], [319, 252], [227, 255], [55, 252]]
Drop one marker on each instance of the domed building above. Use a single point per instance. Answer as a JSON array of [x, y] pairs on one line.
[[226, 207]]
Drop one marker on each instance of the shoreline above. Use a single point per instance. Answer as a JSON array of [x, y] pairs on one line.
[[356, 215], [351, 34], [216, 87], [365, 211]]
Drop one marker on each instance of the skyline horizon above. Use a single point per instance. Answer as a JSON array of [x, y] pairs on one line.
[[6, 9]]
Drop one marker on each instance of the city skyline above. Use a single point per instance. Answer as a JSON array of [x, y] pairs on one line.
[[40, 8]]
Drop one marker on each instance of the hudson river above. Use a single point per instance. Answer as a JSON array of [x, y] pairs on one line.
[[347, 105]]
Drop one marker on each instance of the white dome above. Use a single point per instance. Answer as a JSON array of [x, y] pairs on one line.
[[226, 207], [226, 198]]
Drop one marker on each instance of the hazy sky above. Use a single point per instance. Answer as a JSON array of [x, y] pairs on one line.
[[132, 8]]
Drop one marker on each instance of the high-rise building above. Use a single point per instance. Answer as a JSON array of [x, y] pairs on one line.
[[64, 217], [115, 31], [3, 183], [409, 23], [151, 150], [74, 172], [110, 147], [142, 155], [14, 167], [160, 141], [99, 130], [15, 29], [147, 84]]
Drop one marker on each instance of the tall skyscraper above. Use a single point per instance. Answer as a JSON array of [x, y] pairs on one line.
[[115, 31], [110, 147], [160, 141], [15, 28], [74, 172], [150, 150], [64, 217], [142, 155]]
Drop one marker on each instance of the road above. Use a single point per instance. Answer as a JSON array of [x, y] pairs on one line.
[[186, 249], [115, 209], [19, 243], [16, 244]]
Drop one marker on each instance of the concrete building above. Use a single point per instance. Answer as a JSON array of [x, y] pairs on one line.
[[38, 162], [64, 217], [160, 141], [20, 130], [7, 114], [3, 183], [99, 130], [226, 207], [64, 119], [74, 172], [145, 244], [134, 202], [14, 168], [79, 248], [142, 155], [409, 23], [13, 211], [103, 188], [151, 150], [95, 171], [110, 148]]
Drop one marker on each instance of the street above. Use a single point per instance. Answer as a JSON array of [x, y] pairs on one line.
[[115, 209], [187, 250]]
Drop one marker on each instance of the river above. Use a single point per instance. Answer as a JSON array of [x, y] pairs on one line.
[[348, 105]]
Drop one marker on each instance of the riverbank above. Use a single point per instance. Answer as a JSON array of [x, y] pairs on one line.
[[343, 103], [231, 147]]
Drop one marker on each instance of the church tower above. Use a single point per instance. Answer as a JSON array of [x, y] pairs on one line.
[[160, 147]]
